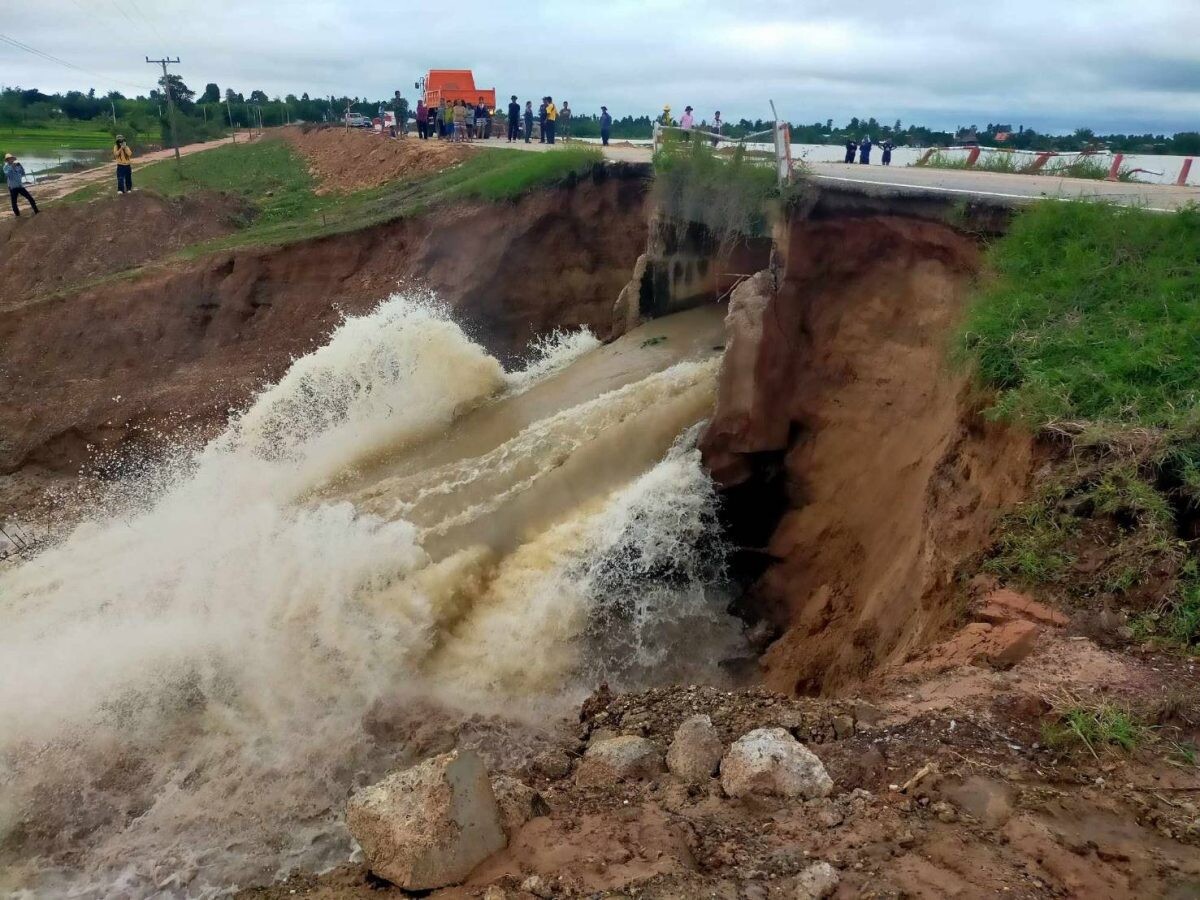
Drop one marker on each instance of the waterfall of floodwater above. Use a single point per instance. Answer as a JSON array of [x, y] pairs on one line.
[[189, 688]]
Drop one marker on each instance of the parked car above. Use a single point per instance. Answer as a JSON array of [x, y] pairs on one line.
[[357, 120]]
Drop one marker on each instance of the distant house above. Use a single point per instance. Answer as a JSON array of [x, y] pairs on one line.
[[967, 137], [1002, 136]]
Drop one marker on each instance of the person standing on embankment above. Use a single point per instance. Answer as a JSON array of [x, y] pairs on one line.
[[564, 121], [514, 118], [124, 158], [528, 121], [551, 119], [605, 126], [422, 120], [14, 175], [864, 151]]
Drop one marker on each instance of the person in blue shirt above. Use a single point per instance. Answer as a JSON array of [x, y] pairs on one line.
[[605, 125], [888, 147], [14, 176], [864, 151]]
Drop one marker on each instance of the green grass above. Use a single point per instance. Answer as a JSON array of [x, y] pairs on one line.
[[1092, 315], [274, 179], [1096, 726], [32, 140]]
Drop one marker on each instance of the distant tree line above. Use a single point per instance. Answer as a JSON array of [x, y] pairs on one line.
[[144, 119]]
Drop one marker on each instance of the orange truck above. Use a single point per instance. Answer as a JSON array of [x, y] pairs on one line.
[[455, 84]]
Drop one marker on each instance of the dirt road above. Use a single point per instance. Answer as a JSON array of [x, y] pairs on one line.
[[1002, 186]]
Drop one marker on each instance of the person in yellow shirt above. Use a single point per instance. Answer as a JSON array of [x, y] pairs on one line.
[[551, 119], [124, 157]]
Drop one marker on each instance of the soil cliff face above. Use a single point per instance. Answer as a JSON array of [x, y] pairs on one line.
[[180, 345], [853, 425]]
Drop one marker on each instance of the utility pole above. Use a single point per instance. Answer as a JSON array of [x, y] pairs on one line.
[[229, 109], [170, 99]]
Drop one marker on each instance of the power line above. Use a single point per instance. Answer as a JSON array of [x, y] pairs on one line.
[[146, 19], [62, 62]]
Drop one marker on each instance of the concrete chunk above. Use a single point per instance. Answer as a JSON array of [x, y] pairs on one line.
[[427, 827]]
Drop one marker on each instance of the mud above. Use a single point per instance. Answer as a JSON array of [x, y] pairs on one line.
[[351, 159], [869, 442], [996, 812], [72, 243], [132, 363]]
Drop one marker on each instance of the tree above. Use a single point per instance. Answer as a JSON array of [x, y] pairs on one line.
[[258, 97], [212, 93], [231, 97]]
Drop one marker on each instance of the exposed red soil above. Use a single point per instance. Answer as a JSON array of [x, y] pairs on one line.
[[178, 347], [890, 481], [944, 787], [70, 243], [350, 159]]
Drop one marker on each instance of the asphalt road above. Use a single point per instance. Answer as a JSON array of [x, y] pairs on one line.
[[1015, 188]]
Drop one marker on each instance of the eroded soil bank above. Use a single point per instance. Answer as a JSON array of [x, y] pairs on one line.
[[132, 361], [851, 450]]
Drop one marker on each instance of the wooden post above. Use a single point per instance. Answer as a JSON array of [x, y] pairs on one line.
[[1181, 181]]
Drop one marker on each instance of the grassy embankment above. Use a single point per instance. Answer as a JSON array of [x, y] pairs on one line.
[[1094, 168], [1089, 332], [274, 179]]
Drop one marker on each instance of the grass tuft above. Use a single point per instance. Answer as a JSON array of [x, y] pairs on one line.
[[1093, 724]]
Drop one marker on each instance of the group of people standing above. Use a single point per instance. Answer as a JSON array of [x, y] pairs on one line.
[[457, 121], [14, 175], [460, 121], [863, 149]]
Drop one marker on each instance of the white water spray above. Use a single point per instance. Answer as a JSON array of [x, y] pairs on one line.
[[186, 690]]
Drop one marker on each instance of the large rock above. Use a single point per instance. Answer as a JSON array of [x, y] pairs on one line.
[[817, 882], [625, 758], [518, 803], [769, 761], [695, 752], [427, 827]]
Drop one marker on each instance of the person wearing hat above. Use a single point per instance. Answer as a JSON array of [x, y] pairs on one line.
[[514, 118], [605, 126], [666, 116], [124, 157], [14, 175], [687, 122]]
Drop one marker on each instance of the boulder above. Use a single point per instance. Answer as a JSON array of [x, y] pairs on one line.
[[552, 763], [427, 827], [625, 758], [518, 803], [817, 882], [696, 750], [769, 761]]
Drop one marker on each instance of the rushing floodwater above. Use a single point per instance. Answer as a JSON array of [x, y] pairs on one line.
[[186, 689]]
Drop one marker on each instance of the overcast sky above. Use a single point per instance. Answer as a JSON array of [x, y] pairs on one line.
[[1049, 64]]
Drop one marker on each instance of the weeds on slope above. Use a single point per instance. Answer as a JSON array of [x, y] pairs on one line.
[[727, 193], [1088, 331]]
